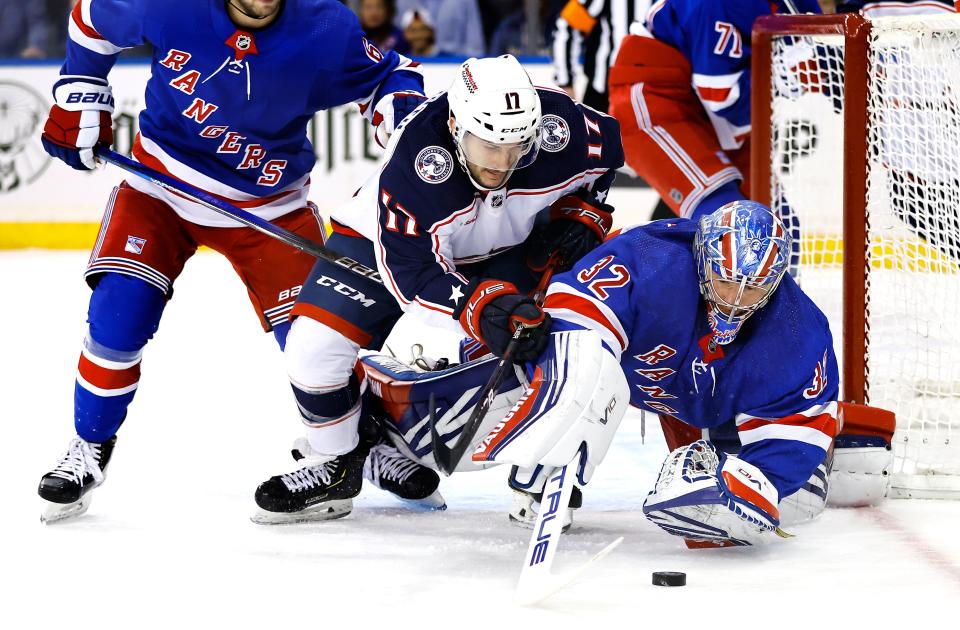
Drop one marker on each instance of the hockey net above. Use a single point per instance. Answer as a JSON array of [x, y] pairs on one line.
[[856, 143]]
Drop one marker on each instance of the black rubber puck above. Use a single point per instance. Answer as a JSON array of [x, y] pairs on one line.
[[669, 578]]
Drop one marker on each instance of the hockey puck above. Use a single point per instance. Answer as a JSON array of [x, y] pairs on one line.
[[669, 578]]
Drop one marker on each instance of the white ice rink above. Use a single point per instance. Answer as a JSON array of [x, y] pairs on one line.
[[168, 543]]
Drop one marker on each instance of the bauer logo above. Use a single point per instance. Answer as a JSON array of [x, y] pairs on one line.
[[22, 158], [135, 245], [434, 165], [554, 133]]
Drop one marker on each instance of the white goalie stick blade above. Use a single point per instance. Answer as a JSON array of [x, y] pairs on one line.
[[55, 512], [537, 582], [326, 511]]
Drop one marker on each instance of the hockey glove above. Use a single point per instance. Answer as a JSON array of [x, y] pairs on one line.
[[494, 311], [576, 227], [713, 499], [391, 111], [80, 120]]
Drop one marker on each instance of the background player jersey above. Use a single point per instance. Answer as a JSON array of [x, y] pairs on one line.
[[227, 110], [714, 36], [777, 379], [425, 217]]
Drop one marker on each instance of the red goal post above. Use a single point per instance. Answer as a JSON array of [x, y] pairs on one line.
[[856, 143]]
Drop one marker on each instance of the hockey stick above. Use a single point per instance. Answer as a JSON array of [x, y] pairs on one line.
[[446, 457], [219, 206], [536, 581]]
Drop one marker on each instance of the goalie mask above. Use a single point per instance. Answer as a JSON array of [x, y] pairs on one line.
[[496, 119], [742, 251]]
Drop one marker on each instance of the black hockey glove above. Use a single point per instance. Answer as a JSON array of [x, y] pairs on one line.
[[576, 227], [493, 312]]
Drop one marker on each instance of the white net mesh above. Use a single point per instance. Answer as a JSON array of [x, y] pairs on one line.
[[913, 230]]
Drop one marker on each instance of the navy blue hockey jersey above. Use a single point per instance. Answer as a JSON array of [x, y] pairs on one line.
[[227, 110], [777, 380], [425, 217]]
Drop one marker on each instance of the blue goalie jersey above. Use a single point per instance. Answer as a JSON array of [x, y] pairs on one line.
[[227, 109], [777, 380]]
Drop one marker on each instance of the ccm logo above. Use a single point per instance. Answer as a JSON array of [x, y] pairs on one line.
[[103, 98], [348, 291]]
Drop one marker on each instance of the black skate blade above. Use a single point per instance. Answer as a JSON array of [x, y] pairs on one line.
[[327, 511], [56, 512]]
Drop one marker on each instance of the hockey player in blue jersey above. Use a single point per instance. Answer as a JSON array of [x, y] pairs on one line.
[[680, 87], [695, 322], [447, 231], [233, 86]]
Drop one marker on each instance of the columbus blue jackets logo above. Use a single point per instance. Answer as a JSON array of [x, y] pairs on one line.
[[554, 133], [434, 164]]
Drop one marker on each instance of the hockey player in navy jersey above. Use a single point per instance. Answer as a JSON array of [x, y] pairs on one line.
[[680, 87], [445, 231], [232, 87], [698, 323]]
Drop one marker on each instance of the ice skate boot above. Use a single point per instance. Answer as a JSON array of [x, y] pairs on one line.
[[67, 488], [526, 506], [321, 490], [389, 469]]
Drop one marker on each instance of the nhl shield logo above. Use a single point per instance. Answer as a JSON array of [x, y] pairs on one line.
[[434, 165], [554, 133], [243, 42]]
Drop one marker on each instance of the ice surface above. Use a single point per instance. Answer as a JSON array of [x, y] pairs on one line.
[[167, 541]]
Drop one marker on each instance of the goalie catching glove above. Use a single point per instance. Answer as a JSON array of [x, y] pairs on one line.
[[492, 314], [576, 228], [80, 120], [707, 496]]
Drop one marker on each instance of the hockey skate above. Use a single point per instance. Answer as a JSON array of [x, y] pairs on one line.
[[67, 488], [523, 512], [389, 469], [321, 490]]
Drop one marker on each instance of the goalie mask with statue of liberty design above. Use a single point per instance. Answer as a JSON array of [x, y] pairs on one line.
[[742, 251]]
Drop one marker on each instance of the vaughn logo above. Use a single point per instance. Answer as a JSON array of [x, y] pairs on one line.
[[22, 114]]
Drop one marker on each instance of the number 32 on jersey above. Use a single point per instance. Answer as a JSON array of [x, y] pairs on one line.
[[600, 284]]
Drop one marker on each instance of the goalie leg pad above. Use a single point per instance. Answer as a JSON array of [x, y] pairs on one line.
[[704, 495], [573, 406], [862, 456], [403, 395]]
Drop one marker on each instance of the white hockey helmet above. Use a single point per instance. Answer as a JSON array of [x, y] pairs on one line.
[[496, 112]]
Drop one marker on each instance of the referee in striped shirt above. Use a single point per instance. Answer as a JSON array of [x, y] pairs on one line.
[[596, 27]]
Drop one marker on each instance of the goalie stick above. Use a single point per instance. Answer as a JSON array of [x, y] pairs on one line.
[[220, 206], [446, 457], [536, 581]]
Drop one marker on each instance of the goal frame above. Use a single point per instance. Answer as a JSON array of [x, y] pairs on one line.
[[855, 31]]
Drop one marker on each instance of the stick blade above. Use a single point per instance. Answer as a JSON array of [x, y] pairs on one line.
[[533, 591]]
